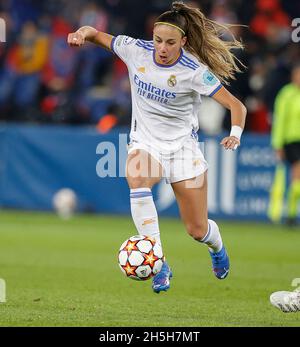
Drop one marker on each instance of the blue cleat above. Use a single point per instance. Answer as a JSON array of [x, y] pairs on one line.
[[220, 263], [161, 281]]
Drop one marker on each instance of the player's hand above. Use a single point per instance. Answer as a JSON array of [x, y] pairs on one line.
[[76, 39], [230, 142]]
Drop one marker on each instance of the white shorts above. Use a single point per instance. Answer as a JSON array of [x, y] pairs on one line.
[[186, 163]]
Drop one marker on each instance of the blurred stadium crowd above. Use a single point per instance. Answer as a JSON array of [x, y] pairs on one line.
[[44, 80]]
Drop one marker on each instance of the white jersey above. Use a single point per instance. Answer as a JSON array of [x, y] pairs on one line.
[[165, 98]]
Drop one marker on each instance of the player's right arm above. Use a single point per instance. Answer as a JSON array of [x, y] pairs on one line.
[[87, 33]]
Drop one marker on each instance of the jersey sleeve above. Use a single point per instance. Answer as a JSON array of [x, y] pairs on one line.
[[124, 47], [205, 82]]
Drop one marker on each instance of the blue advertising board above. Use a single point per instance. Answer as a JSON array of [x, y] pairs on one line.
[[37, 161]]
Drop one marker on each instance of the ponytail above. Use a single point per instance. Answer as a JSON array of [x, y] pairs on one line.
[[203, 40]]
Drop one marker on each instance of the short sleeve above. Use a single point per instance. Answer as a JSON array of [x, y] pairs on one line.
[[124, 47], [205, 82]]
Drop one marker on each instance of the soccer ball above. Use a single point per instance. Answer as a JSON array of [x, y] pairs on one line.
[[140, 257], [65, 202]]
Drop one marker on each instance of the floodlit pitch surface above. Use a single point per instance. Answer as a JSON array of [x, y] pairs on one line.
[[65, 273]]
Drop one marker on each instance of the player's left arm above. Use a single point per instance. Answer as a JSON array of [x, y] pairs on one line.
[[238, 117]]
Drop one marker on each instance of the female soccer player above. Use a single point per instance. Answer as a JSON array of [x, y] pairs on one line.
[[168, 75]]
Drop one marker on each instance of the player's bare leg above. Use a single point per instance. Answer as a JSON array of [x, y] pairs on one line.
[[191, 197], [143, 172]]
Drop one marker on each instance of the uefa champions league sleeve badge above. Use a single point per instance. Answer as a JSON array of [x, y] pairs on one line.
[[209, 79]]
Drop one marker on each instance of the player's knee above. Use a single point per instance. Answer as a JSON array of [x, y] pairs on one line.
[[138, 182], [197, 230]]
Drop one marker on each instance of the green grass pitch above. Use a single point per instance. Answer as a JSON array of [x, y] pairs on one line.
[[65, 273]]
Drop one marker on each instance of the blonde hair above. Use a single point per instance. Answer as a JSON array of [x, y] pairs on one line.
[[203, 39]]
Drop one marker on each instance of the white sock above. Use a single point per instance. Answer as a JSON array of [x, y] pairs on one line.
[[213, 237], [144, 213]]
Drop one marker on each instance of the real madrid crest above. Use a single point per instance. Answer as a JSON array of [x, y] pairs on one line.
[[172, 81]]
